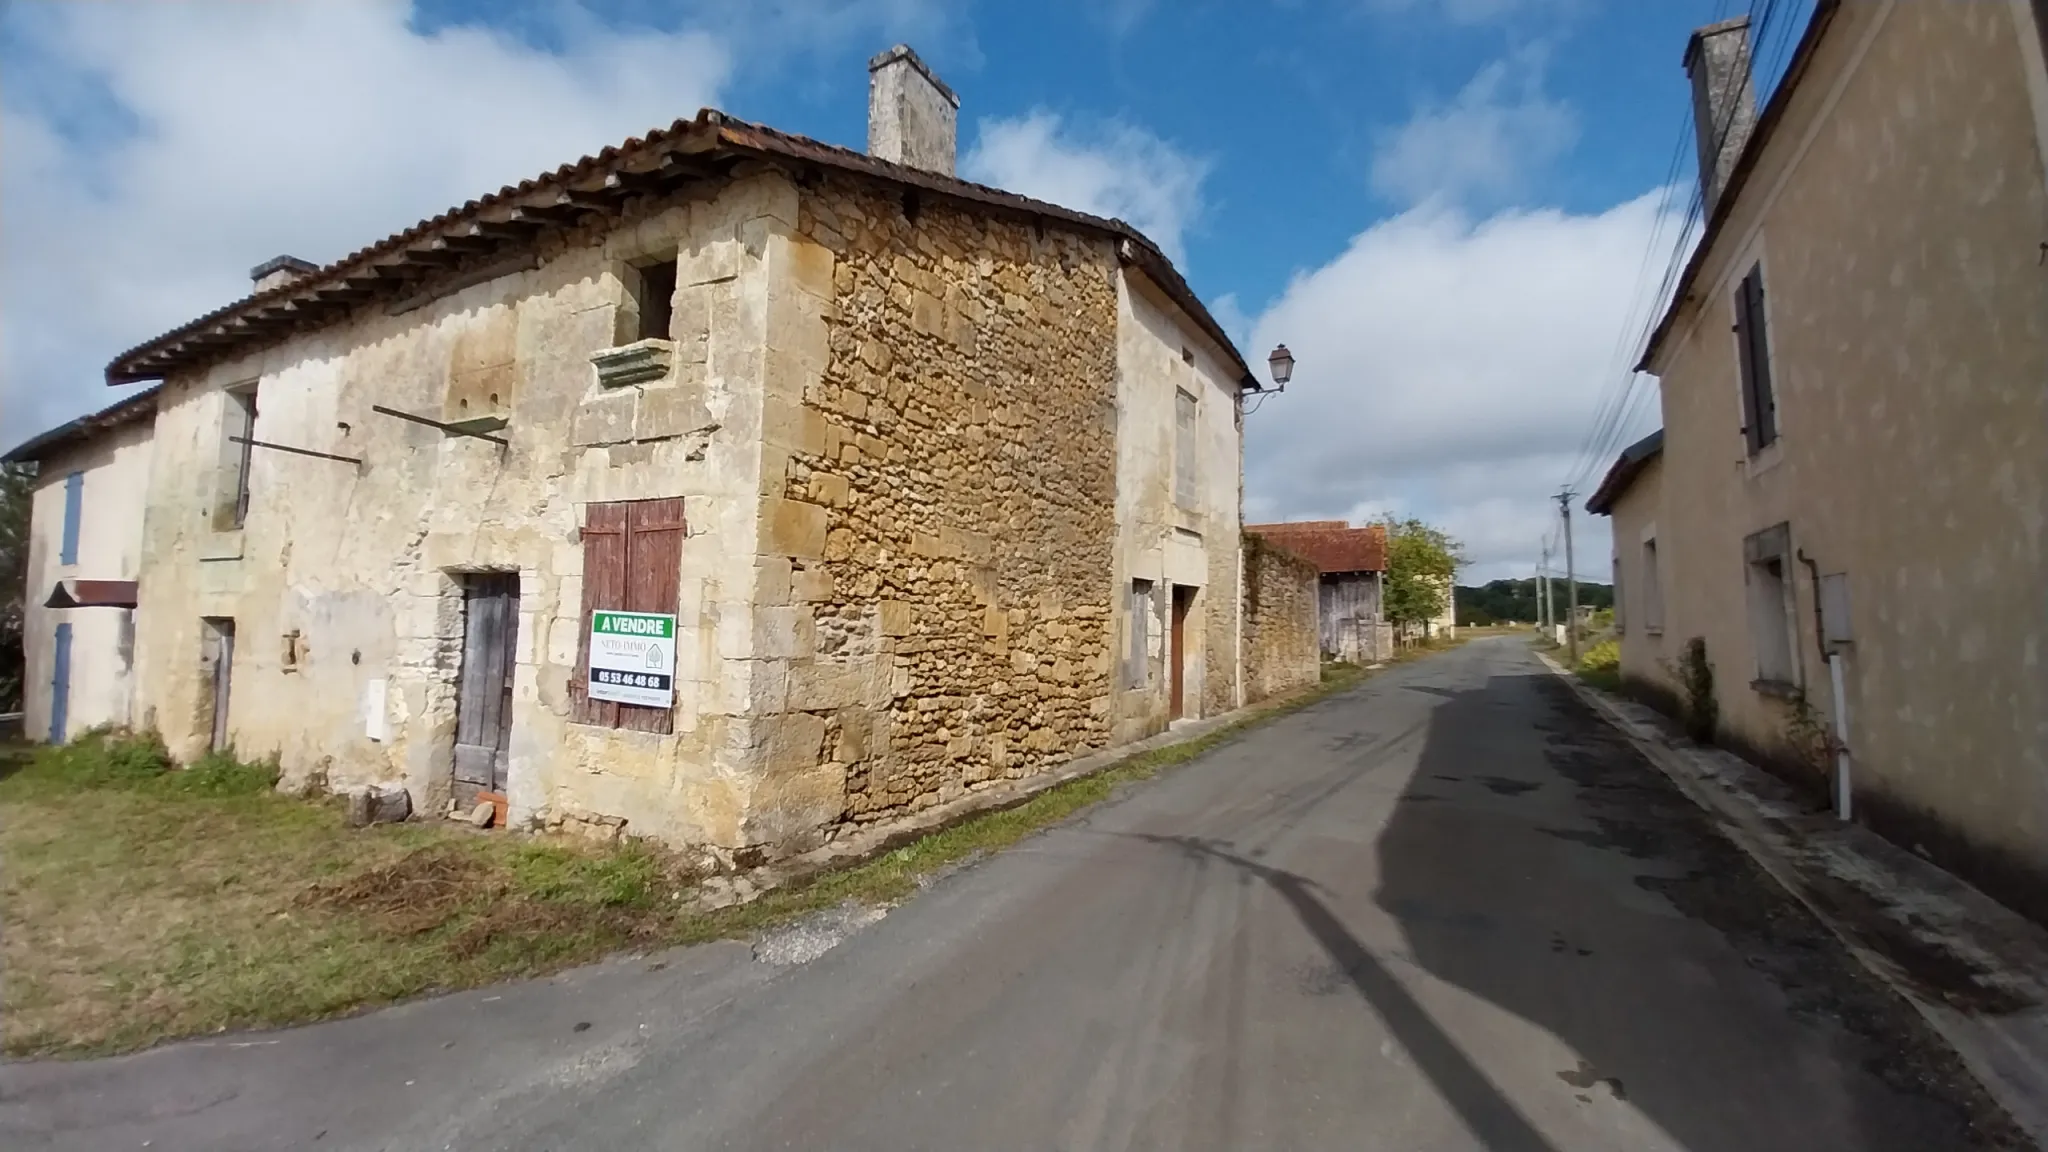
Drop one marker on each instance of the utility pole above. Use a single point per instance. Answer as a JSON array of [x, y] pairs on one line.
[[1543, 590], [1571, 579]]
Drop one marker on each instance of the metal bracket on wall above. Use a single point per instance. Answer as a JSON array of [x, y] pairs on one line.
[[355, 460], [474, 429]]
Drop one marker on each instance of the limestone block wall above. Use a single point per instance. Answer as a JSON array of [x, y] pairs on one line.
[[940, 460], [344, 582], [1177, 519], [115, 469], [1282, 636]]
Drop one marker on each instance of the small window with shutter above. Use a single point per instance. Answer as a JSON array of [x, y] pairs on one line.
[[1753, 350], [632, 562], [1185, 415]]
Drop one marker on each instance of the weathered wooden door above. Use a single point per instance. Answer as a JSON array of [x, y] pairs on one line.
[[483, 707], [1183, 597], [221, 635]]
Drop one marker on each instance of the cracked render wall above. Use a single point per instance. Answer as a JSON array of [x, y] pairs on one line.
[[363, 564]]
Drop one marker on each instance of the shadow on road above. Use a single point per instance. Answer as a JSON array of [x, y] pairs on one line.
[[1489, 1115], [1562, 878], [1534, 860]]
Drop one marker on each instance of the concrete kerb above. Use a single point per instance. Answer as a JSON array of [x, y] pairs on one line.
[[868, 843], [2007, 1051]]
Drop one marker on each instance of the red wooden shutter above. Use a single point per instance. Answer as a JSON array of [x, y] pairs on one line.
[[654, 564], [604, 586]]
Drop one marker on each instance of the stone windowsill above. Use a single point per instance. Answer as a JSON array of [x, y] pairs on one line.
[[640, 362], [1780, 689], [221, 544]]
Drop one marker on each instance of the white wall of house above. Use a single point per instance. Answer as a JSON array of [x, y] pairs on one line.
[[1177, 510], [113, 467]]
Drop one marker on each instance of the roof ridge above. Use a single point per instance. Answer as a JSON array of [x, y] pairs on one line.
[[430, 242]]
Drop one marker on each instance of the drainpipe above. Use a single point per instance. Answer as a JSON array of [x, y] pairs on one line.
[[1238, 662], [1844, 792]]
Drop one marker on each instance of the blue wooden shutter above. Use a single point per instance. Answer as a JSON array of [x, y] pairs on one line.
[[60, 684], [74, 497]]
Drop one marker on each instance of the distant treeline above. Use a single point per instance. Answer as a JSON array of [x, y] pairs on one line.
[[1514, 601]]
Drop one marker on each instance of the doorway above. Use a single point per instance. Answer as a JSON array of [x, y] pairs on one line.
[[1183, 601], [219, 641], [483, 707]]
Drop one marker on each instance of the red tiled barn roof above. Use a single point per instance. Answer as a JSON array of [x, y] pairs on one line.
[[1331, 545]]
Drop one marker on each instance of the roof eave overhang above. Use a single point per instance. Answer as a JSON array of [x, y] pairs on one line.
[[485, 231]]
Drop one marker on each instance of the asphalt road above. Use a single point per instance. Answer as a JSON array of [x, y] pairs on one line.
[[1447, 910]]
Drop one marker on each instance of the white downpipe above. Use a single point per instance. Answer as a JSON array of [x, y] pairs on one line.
[[1843, 791], [1237, 650]]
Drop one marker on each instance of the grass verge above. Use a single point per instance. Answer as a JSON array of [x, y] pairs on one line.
[[145, 904]]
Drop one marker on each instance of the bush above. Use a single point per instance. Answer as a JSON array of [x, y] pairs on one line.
[[115, 758], [1696, 681], [220, 774], [1602, 657], [102, 758]]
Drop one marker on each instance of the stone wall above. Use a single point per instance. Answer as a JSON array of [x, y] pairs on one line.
[[1178, 501], [949, 594], [345, 581], [1282, 651]]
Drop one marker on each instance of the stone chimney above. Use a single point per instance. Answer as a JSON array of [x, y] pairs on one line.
[[913, 117], [1723, 101], [279, 270]]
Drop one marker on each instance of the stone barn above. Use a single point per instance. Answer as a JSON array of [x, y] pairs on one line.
[[1353, 567]]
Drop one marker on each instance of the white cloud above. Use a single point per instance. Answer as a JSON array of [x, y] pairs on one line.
[[1108, 169], [1485, 144], [1451, 370], [1472, 11], [310, 128]]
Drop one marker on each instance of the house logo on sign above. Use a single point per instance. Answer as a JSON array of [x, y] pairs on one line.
[[633, 658]]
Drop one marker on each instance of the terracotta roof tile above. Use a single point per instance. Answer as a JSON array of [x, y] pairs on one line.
[[1331, 545]]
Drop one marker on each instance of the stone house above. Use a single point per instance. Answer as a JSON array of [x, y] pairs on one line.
[[1845, 501], [84, 552], [1352, 567], [883, 486]]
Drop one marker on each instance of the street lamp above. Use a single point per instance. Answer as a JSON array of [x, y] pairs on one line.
[[1282, 364]]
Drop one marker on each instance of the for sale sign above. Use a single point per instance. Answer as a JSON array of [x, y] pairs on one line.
[[633, 658]]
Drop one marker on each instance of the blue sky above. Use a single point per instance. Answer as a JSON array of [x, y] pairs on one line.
[[1454, 211]]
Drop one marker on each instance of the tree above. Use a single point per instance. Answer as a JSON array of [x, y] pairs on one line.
[[17, 485], [1421, 563]]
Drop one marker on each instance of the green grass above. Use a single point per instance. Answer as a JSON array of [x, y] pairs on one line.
[[144, 904]]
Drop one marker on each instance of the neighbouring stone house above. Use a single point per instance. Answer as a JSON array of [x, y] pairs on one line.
[[84, 551], [940, 485], [1845, 502], [1352, 567], [1282, 643]]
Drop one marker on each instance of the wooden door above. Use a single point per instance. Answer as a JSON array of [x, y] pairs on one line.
[[483, 707], [1183, 598], [222, 635]]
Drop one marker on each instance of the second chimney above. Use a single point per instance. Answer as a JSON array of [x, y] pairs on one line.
[[279, 270], [913, 117], [1723, 101]]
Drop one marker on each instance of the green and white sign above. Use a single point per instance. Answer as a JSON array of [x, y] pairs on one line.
[[633, 658]]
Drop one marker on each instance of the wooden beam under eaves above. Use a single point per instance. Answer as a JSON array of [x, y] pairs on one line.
[[516, 228]]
